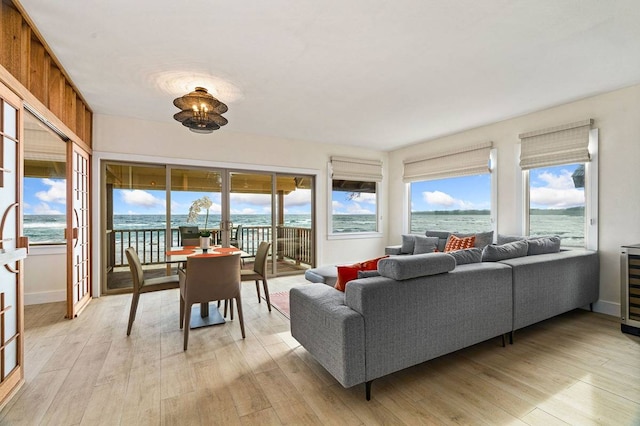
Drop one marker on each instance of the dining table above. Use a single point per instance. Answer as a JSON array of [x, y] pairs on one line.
[[203, 315]]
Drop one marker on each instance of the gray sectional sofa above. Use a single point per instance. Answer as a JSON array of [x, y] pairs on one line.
[[424, 306]]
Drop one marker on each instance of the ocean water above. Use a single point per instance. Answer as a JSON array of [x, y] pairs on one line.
[[50, 228]]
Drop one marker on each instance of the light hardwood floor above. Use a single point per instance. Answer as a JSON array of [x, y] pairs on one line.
[[574, 369]]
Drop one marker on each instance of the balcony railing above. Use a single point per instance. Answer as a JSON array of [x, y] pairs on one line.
[[291, 243]]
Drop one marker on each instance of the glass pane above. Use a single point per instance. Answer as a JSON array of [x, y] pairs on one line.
[[10, 124], [195, 203], [45, 185], [250, 210], [294, 219], [135, 200], [460, 204], [557, 200], [354, 206]]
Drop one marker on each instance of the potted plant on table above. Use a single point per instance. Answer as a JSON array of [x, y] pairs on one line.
[[201, 203]]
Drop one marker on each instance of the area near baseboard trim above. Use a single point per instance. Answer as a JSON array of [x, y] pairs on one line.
[[45, 297]]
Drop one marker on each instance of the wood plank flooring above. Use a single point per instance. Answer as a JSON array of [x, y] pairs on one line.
[[576, 369]]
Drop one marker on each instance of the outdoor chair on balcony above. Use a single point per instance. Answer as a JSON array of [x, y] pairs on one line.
[[209, 279], [259, 272], [189, 235], [236, 241], [142, 285]]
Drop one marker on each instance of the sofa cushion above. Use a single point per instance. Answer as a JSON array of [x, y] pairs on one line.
[[408, 244], [322, 274], [425, 244], [368, 274], [504, 239], [456, 243], [543, 245], [471, 255], [494, 253], [406, 267], [442, 237]]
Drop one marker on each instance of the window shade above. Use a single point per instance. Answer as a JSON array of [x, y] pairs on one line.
[[557, 145], [470, 160], [356, 169]]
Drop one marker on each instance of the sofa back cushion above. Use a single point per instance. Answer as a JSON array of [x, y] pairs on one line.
[[442, 237], [543, 245], [504, 239], [406, 267], [425, 244], [408, 244], [471, 255], [482, 240], [494, 253]]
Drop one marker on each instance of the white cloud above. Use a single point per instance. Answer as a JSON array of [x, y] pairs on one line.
[[246, 210], [140, 198], [356, 208], [365, 197], [336, 206], [441, 199], [559, 191], [299, 197], [252, 199], [57, 192], [43, 208]]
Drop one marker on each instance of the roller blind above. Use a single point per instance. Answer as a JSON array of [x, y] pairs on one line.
[[557, 145], [344, 168], [470, 160]]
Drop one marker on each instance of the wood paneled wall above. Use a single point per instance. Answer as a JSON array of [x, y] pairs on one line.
[[27, 57]]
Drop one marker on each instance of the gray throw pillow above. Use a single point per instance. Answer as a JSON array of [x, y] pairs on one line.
[[425, 244], [408, 243], [504, 239], [368, 274], [483, 239], [494, 253], [543, 245], [472, 255], [442, 235]]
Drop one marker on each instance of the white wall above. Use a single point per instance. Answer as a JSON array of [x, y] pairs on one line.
[[616, 114], [45, 275]]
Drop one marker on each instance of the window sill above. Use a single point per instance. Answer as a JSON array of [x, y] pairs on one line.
[[354, 235]]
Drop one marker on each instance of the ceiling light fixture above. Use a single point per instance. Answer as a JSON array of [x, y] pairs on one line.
[[200, 111]]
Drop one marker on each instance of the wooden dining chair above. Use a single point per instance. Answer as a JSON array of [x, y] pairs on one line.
[[142, 285], [209, 278], [259, 272]]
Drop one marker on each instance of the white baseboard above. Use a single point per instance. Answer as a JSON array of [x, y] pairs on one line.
[[45, 297], [608, 308]]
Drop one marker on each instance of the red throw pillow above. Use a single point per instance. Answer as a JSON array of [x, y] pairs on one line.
[[350, 272], [372, 264], [345, 274], [456, 243]]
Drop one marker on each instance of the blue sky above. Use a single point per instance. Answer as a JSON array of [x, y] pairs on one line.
[[551, 187]]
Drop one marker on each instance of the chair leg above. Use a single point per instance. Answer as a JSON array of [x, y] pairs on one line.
[[181, 312], [231, 308], [187, 318], [240, 317], [226, 305], [132, 311], [258, 291], [266, 292]]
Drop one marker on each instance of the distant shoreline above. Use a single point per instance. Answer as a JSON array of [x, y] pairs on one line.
[[572, 211]]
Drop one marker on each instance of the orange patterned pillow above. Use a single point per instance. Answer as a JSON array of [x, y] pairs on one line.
[[456, 243]]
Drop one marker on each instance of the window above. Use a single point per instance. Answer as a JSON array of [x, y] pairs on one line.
[[354, 206], [557, 203], [560, 174], [452, 190], [461, 204], [354, 195]]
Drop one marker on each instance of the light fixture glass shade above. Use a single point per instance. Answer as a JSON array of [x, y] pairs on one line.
[[200, 111]]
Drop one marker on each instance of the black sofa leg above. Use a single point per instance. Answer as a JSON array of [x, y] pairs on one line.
[[504, 340], [511, 337], [367, 387], [591, 307]]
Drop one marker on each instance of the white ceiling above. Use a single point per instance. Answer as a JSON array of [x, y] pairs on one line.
[[372, 73]]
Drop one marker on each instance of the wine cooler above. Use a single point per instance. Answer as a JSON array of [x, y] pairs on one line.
[[630, 290]]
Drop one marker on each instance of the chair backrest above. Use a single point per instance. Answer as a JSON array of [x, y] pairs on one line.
[[260, 264], [188, 232], [135, 267], [212, 278], [238, 238]]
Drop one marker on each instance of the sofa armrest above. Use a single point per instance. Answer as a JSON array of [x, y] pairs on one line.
[[393, 250], [331, 331]]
